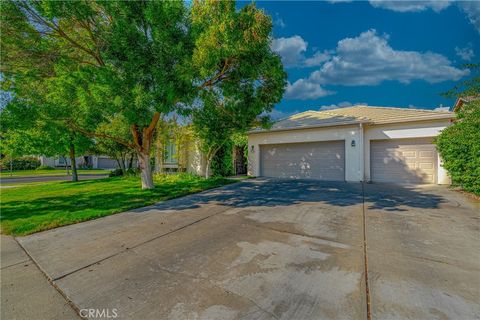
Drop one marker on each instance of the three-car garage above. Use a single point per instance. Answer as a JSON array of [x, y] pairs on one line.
[[361, 143]]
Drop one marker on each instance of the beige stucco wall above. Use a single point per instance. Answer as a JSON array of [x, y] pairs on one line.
[[357, 159], [195, 160]]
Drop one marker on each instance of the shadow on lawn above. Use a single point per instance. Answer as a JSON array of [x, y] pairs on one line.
[[279, 192], [96, 203], [258, 192]]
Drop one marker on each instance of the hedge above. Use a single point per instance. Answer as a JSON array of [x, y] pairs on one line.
[[459, 147]]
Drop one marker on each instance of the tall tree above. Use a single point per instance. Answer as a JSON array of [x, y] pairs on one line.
[[25, 131], [140, 59]]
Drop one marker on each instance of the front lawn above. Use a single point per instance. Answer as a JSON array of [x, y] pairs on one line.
[[57, 172], [32, 208]]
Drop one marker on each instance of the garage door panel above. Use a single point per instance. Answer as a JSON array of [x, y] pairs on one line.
[[316, 160], [403, 161]]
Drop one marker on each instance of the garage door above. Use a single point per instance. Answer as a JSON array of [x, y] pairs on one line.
[[313, 160], [106, 163], [403, 161]]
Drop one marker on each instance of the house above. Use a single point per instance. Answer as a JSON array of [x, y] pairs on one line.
[[178, 154], [464, 100], [359, 143], [94, 162]]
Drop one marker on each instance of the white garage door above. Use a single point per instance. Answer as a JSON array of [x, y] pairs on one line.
[[312, 160], [403, 161]]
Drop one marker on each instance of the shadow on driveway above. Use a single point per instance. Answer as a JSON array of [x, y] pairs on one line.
[[282, 192]]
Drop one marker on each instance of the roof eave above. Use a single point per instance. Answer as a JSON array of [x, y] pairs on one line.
[[328, 125], [419, 119]]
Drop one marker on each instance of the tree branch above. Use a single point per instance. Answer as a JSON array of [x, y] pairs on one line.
[[93, 134]]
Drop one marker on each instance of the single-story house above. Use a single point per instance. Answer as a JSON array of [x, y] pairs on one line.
[[359, 143], [94, 162], [464, 100]]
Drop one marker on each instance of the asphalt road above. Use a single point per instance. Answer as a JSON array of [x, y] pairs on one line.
[[40, 178]]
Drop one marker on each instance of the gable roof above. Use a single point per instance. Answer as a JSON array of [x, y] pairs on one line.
[[462, 100], [355, 115]]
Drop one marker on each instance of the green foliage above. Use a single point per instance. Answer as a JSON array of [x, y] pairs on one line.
[[21, 163], [241, 140], [469, 87], [119, 172], [83, 64], [33, 208], [222, 162], [459, 147], [45, 168]]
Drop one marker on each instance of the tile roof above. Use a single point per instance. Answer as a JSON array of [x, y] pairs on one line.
[[355, 115]]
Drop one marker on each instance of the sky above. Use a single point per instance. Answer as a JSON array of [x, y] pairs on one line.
[[381, 53]]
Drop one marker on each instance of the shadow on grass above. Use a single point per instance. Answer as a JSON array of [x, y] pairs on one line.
[[87, 200], [66, 203]]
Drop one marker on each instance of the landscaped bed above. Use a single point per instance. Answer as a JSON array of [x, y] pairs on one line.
[[32, 208]]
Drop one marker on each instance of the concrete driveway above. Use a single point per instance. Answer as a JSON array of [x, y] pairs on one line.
[[275, 249]]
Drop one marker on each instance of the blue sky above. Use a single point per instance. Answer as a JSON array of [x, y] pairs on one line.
[[381, 53]]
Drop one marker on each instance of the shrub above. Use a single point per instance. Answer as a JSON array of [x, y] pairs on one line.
[[459, 147], [45, 168], [222, 162], [118, 172], [22, 163]]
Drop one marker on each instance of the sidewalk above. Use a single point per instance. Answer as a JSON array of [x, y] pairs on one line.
[[25, 291]]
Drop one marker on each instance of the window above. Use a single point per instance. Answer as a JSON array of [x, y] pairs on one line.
[[170, 154]]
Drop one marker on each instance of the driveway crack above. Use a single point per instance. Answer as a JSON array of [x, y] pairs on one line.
[[68, 301], [365, 254], [135, 246]]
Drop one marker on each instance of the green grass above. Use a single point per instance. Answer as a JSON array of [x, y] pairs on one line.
[[33, 208], [56, 172]]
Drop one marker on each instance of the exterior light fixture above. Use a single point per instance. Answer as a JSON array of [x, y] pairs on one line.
[[251, 147], [353, 143]]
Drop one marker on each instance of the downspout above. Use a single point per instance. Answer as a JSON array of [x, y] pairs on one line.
[[362, 151]]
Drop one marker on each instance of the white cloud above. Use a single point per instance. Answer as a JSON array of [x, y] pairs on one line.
[[292, 51], [470, 8], [278, 21], [465, 53], [343, 104], [304, 89], [317, 59], [411, 6], [441, 108], [278, 114], [368, 60]]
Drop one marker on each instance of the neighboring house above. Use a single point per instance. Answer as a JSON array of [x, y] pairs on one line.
[[359, 143], [464, 100], [188, 157], [94, 162]]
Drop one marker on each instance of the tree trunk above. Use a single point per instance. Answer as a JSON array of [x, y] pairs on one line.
[[130, 162], [145, 170], [66, 165], [121, 164], [73, 161], [210, 156], [143, 141], [207, 168]]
